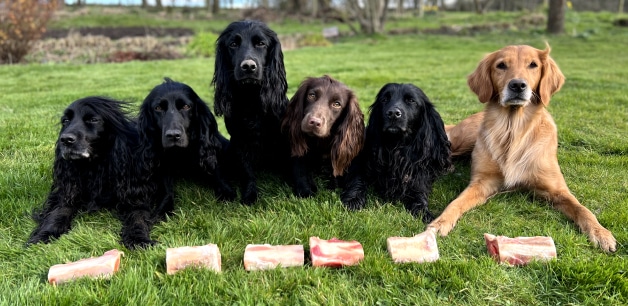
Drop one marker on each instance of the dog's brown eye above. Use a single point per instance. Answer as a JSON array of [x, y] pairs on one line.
[[65, 121], [501, 66], [93, 120], [311, 96], [185, 107], [158, 108], [533, 65], [409, 100], [260, 44], [336, 104], [233, 44]]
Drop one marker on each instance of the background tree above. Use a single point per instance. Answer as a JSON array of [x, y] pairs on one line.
[[482, 8], [370, 14], [556, 16]]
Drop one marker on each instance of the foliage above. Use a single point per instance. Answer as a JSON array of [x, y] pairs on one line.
[[21, 23], [202, 44], [313, 40]]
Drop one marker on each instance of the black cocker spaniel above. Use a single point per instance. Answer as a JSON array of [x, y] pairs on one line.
[[95, 168], [250, 92], [406, 150], [179, 138]]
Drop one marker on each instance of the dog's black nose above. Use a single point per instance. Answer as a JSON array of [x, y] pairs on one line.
[[315, 122], [248, 66], [173, 134], [394, 113], [67, 139], [517, 85]]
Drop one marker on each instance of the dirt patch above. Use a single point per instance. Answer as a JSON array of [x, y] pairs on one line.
[[117, 33], [109, 44]]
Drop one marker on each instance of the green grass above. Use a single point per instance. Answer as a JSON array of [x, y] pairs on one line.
[[590, 112]]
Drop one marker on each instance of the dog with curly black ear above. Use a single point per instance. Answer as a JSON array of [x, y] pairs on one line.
[[406, 150], [179, 137], [250, 92], [94, 168]]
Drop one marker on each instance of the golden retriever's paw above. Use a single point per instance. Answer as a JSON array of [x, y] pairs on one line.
[[604, 239], [441, 225]]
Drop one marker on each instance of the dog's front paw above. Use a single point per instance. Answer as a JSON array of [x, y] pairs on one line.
[[226, 194], [604, 239], [418, 209], [134, 243], [304, 191], [38, 238], [249, 194], [353, 203], [426, 215], [441, 225]]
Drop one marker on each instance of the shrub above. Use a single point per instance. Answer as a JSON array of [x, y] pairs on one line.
[[202, 44], [21, 23], [313, 40]]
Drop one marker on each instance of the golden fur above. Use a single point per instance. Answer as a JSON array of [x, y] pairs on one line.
[[514, 140]]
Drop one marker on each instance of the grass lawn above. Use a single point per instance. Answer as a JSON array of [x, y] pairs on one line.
[[591, 112]]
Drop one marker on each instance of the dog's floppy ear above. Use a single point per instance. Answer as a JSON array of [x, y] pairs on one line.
[[275, 81], [206, 132], [291, 123], [480, 79], [376, 118], [220, 82], [148, 134], [431, 143], [552, 79], [349, 138]]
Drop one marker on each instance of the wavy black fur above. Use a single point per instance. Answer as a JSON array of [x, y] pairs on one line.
[[94, 168], [250, 91], [406, 150], [179, 138]]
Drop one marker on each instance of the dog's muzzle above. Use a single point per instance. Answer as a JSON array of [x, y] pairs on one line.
[[516, 93]]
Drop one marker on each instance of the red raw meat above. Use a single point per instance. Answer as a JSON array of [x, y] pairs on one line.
[[420, 248], [335, 252], [266, 256], [207, 256], [96, 267], [520, 250]]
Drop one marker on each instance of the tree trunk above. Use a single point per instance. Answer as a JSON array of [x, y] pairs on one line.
[[371, 14], [314, 12], [215, 6], [481, 9], [478, 7], [556, 16], [621, 7], [158, 4]]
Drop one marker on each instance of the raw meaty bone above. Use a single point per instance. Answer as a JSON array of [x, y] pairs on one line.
[[207, 256], [335, 252], [96, 267], [420, 248], [266, 256], [520, 250]]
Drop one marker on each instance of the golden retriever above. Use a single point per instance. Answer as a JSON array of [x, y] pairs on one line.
[[513, 142]]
